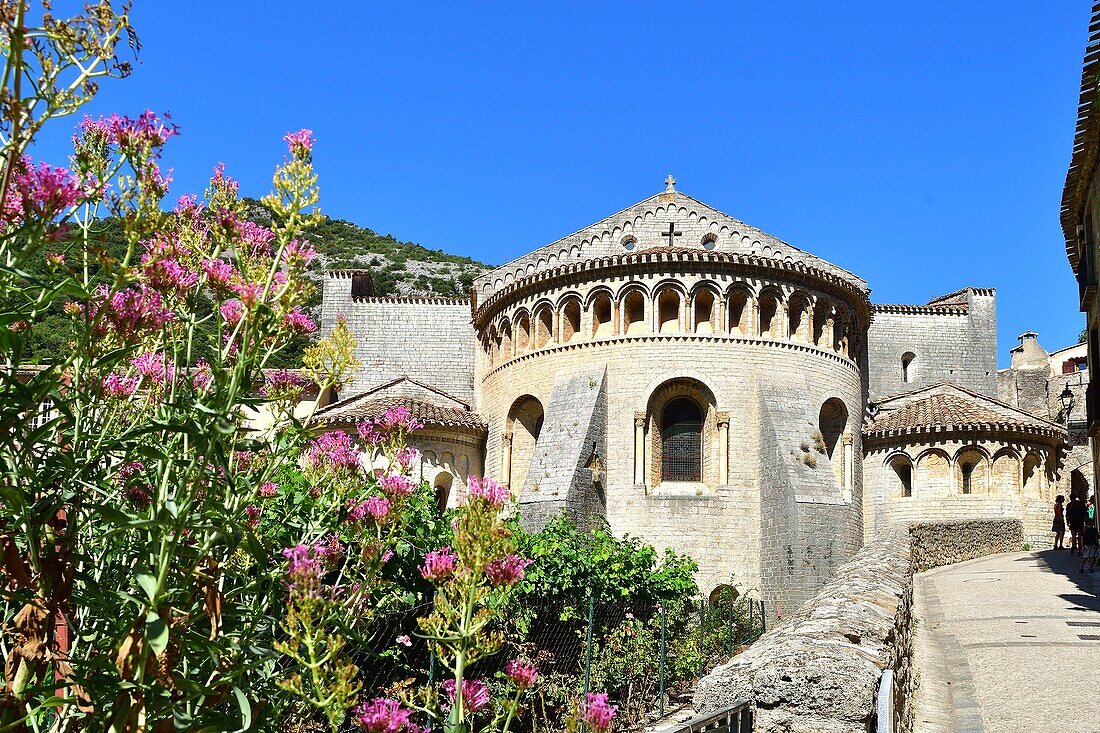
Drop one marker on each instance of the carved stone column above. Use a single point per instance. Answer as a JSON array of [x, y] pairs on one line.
[[639, 448], [723, 448], [849, 466], [506, 463]]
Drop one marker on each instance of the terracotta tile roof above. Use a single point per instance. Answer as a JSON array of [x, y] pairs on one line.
[[365, 407], [946, 407]]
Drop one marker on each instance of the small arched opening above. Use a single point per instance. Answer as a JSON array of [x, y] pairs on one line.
[[740, 313], [504, 342], [544, 327], [668, 311], [769, 322], [525, 425], [704, 311], [902, 468], [442, 486], [798, 318], [907, 367], [523, 334], [1005, 472], [832, 422], [634, 313], [1078, 485], [571, 321], [970, 471], [681, 436], [1032, 474], [601, 316]]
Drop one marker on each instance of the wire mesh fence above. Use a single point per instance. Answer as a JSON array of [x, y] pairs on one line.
[[640, 652]]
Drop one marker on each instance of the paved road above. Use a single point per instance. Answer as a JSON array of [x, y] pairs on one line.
[[1008, 644]]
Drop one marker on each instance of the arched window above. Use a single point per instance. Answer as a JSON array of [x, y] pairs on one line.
[[903, 470], [668, 310], [704, 312], [971, 464], [832, 422], [681, 441], [634, 313], [769, 326], [544, 327], [601, 316], [442, 486], [571, 322], [740, 313], [907, 366]]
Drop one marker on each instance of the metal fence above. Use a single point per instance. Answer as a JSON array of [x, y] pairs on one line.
[[642, 653]]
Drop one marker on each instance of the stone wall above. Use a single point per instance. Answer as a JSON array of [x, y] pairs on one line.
[[956, 344], [428, 339], [943, 543], [820, 670]]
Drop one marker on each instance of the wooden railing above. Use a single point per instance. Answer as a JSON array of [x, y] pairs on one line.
[[736, 718]]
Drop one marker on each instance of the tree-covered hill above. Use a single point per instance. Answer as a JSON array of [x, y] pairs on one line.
[[397, 268]]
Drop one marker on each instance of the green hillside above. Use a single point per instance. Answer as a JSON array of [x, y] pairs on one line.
[[398, 268]]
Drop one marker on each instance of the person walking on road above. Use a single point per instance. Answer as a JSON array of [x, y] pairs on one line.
[[1059, 526], [1075, 519]]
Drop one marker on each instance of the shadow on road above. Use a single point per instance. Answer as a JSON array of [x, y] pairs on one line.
[[1063, 563]]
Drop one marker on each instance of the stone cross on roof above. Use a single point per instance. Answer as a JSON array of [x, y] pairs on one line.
[[670, 184]]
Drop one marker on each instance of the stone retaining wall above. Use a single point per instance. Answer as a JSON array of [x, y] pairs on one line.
[[935, 544], [819, 671]]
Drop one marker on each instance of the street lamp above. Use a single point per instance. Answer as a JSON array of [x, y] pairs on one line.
[[1066, 398]]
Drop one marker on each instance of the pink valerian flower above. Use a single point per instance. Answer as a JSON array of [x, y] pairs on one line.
[[298, 322], [439, 565], [596, 713], [369, 433], [475, 694], [39, 192], [154, 366], [399, 417], [396, 485], [145, 132], [116, 385], [257, 239], [404, 640], [168, 275], [329, 549], [269, 489], [333, 450], [202, 377], [222, 182], [249, 293], [129, 312], [282, 382], [522, 673], [485, 489], [55, 259], [232, 311], [299, 253], [507, 570], [300, 144], [407, 456], [382, 715], [72, 308], [140, 495], [304, 569], [376, 506], [253, 512], [219, 274]]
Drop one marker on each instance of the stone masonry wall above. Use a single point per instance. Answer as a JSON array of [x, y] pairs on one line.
[[945, 543], [819, 671], [954, 345], [428, 339]]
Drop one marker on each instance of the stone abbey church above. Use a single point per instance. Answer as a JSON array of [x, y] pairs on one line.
[[707, 387]]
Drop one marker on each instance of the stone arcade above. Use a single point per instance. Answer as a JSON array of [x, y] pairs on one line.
[[708, 387]]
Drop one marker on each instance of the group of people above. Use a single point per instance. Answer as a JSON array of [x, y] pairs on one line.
[[1080, 517]]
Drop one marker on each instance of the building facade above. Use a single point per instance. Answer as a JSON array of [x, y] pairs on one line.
[[690, 379]]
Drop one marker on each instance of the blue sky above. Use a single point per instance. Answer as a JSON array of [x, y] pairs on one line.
[[922, 146]]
